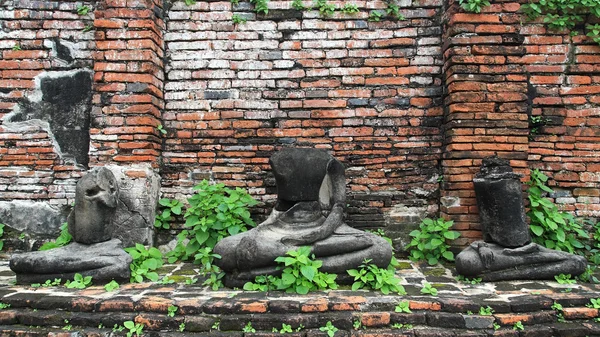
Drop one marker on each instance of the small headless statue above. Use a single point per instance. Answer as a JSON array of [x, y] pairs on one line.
[[506, 252], [93, 252], [311, 196]]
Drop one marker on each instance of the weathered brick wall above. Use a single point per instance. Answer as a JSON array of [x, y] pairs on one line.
[[503, 74], [410, 107], [44, 39], [369, 92]]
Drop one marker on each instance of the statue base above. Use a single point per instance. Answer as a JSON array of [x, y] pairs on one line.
[[104, 261], [492, 262]]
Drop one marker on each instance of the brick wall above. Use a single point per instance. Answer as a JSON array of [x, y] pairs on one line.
[[410, 107], [51, 39], [369, 92]]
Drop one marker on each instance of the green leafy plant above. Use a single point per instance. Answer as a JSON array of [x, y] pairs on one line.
[[260, 6], [550, 227], [63, 239], [429, 289], [473, 6], [145, 262], [190, 281], [79, 282], [170, 207], [51, 283], [350, 8], [111, 286], [134, 328], [496, 326], [214, 280], [375, 278], [161, 129], [1, 234], [214, 212], [594, 32], [216, 325], [559, 311], [357, 324], [487, 311], [463, 279], [171, 310], [182, 327], [375, 16], [16, 47], [285, 328], [403, 306], [83, 10], [401, 326], [564, 279], [329, 328], [325, 9], [166, 280], [300, 275], [67, 327], [297, 4], [190, 2], [518, 326], [594, 303], [87, 28], [118, 328], [4, 305], [429, 241], [237, 19], [248, 328], [394, 10]]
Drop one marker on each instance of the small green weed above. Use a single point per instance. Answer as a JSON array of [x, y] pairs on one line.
[[467, 280], [375, 16], [16, 47], [237, 19], [111, 286], [357, 324], [594, 303], [564, 279], [329, 328], [325, 9], [394, 10], [248, 328], [63, 239], [134, 328], [79, 282], [487, 311], [171, 310], [4, 305], [429, 289], [403, 306], [375, 278], [83, 10], [350, 8], [297, 4], [473, 6], [401, 326], [182, 327], [260, 6], [285, 328], [518, 326]]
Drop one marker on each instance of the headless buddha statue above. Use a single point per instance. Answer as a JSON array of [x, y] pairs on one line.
[[506, 252], [311, 196], [93, 252]]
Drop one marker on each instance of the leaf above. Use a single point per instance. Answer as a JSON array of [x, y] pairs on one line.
[[308, 272], [302, 290], [537, 230], [129, 324], [448, 255]]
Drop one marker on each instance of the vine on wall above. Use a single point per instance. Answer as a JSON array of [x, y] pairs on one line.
[[325, 9]]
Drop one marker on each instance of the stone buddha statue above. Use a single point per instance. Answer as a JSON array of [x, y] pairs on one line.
[[506, 252], [93, 252], [311, 197]]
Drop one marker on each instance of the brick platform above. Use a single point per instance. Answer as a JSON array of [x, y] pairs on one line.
[[43, 311]]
